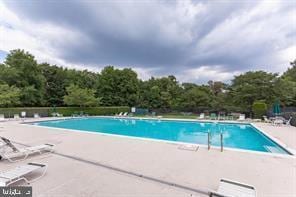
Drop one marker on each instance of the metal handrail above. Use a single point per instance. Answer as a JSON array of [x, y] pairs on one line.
[[209, 140], [221, 141]]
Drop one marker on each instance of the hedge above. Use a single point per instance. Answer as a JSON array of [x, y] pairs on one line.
[[259, 109], [66, 111]]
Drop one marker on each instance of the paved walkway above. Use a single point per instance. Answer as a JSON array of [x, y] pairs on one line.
[[89, 165]]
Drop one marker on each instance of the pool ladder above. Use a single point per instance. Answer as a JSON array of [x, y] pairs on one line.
[[221, 141]]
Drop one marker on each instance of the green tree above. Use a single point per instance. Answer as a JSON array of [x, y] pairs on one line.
[[216, 87], [290, 74], [9, 95], [23, 71], [118, 87], [251, 86], [84, 79], [45, 85], [286, 91], [30, 96], [285, 86], [154, 97], [77, 96], [197, 98], [163, 93], [55, 85]]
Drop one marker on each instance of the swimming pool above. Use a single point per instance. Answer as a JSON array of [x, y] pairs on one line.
[[239, 136]]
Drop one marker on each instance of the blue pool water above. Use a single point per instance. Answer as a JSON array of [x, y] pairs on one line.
[[240, 136]]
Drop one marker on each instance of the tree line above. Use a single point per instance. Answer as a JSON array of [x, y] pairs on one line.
[[25, 82]]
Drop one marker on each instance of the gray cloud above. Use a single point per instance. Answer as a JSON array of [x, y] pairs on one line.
[[169, 36]]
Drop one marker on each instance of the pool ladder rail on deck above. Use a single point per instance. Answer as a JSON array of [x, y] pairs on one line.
[[221, 141]]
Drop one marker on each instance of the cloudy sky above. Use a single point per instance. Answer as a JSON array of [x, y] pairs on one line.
[[193, 40]]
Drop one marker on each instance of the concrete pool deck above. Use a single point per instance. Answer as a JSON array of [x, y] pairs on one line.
[[90, 165]]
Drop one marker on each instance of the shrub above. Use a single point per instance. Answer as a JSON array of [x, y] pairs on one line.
[[66, 111], [259, 109]]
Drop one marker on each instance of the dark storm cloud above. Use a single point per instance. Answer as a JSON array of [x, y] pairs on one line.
[[108, 30], [169, 36]]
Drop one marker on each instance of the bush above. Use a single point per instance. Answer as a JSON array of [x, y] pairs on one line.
[[259, 109], [66, 111]]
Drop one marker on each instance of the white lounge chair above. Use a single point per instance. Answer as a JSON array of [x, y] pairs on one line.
[[56, 114], [278, 122], [23, 114], [36, 115], [120, 114], [21, 154], [242, 117], [2, 117], [288, 122], [19, 174], [201, 116], [229, 188], [125, 114], [266, 119], [16, 116]]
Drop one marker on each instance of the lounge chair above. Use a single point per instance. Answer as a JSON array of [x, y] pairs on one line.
[[2, 117], [120, 114], [16, 116], [266, 119], [221, 117], [242, 117], [125, 114], [201, 116], [19, 174], [23, 114], [229, 188], [56, 114], [278, 121], [36, 115], [213, 116], [288, 122], [22, 154]]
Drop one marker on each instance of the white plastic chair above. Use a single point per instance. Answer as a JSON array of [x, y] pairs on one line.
[[201, 116], [242, 117], [2, 117], [36, 115], [16, 116], [23, 114]]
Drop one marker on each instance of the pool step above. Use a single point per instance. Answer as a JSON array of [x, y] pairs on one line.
[[272, 149]]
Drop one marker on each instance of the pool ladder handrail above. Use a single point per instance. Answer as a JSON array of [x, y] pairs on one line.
[[209, 140], [221, 141]]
